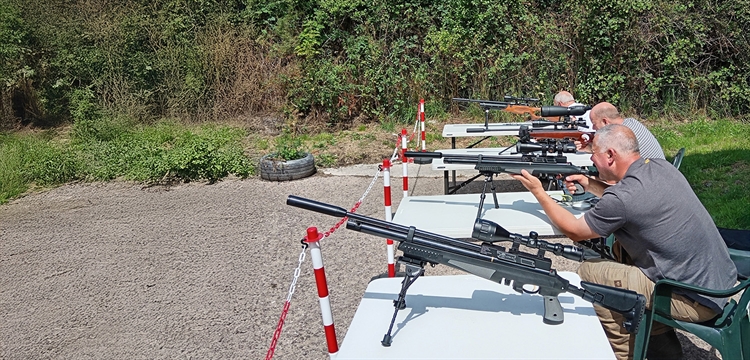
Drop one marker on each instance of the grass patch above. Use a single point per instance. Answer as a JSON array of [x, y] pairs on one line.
[[716, 164], [12, 181], [164, 151], [106, 149]]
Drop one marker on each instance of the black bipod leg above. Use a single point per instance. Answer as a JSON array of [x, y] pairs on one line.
[[494, 193], [412, 273], [487, 179]]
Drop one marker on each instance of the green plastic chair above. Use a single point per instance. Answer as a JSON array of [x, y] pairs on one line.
[[729, 332], [677, 161]]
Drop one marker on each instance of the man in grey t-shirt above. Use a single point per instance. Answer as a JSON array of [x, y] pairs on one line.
[[659, 220], [604, 113]]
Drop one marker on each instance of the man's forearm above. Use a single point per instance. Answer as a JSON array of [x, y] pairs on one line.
[[597, 187]]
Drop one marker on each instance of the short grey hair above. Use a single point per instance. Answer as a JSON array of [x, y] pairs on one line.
[[563, 97], [618, 137]]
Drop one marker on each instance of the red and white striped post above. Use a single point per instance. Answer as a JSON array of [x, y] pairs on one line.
[[421, 121], [405, 162], [388, 214], [313, 240]]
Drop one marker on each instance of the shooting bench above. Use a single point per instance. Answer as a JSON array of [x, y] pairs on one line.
[[467, 317], [454, 215]]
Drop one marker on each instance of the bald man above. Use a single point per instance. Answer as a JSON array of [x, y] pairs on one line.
[[654, 213], [604, 113], [564, 98]]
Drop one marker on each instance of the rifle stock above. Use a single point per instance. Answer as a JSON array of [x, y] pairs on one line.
[[559, 134], [523, 109], [492, 262]]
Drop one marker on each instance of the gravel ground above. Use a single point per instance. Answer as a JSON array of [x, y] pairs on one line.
[[118, 271]]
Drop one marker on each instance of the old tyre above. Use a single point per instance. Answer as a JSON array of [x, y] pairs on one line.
[[276, 170]]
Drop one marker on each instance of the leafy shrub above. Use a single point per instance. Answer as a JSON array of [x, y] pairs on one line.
[[289, 147], [335, 60]]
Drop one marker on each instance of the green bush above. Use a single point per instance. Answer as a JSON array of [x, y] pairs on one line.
[[115, 148], [289, 147], [335, 60]]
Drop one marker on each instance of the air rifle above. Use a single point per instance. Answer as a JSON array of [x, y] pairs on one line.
[[514, 105], [523, 271], [543, 167], [535, 165]]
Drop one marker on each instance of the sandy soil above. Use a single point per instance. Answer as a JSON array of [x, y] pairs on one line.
[[118, 271]]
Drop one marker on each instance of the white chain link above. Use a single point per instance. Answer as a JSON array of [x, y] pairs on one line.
[[372, 183], [296, 274], [297, 271]]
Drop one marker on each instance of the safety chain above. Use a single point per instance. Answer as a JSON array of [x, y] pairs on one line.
[[297, 271], [287, 303], [356, 205]]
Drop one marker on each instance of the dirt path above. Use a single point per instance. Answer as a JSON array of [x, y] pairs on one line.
[[115, 271]]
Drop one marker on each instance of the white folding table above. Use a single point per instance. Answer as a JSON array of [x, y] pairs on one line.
[[454, 215], [468, 317]]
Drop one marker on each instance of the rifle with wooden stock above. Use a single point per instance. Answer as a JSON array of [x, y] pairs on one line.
[[525, 135], [512, 105]]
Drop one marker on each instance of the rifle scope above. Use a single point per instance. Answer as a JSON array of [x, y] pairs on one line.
[[564, 111], [489, 231], [557, 146], [568, 124], [517, 100]]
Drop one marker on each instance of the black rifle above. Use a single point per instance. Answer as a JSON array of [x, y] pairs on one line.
[[545, 167], [488, 261]]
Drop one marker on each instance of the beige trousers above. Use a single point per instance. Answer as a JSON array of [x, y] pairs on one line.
[[629, 277]]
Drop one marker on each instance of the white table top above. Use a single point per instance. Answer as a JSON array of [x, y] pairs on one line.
[[494, 129], [468, 317], [578, 159], [454, 215]]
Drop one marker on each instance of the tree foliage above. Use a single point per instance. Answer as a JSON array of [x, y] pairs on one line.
[[334, 60]]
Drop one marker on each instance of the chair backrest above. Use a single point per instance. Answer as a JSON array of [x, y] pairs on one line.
[[741, 260], [678, 158], [729, 332], [738, 243]]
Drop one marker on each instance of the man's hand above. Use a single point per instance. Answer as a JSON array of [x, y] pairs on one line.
[[530, 182], [581, 147], [571, 180]]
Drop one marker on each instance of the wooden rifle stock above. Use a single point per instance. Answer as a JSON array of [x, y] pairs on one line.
[[524, 109], [584, 137]]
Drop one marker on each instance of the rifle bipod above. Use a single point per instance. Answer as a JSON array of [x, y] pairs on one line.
[[413, 270], [488, 177]]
